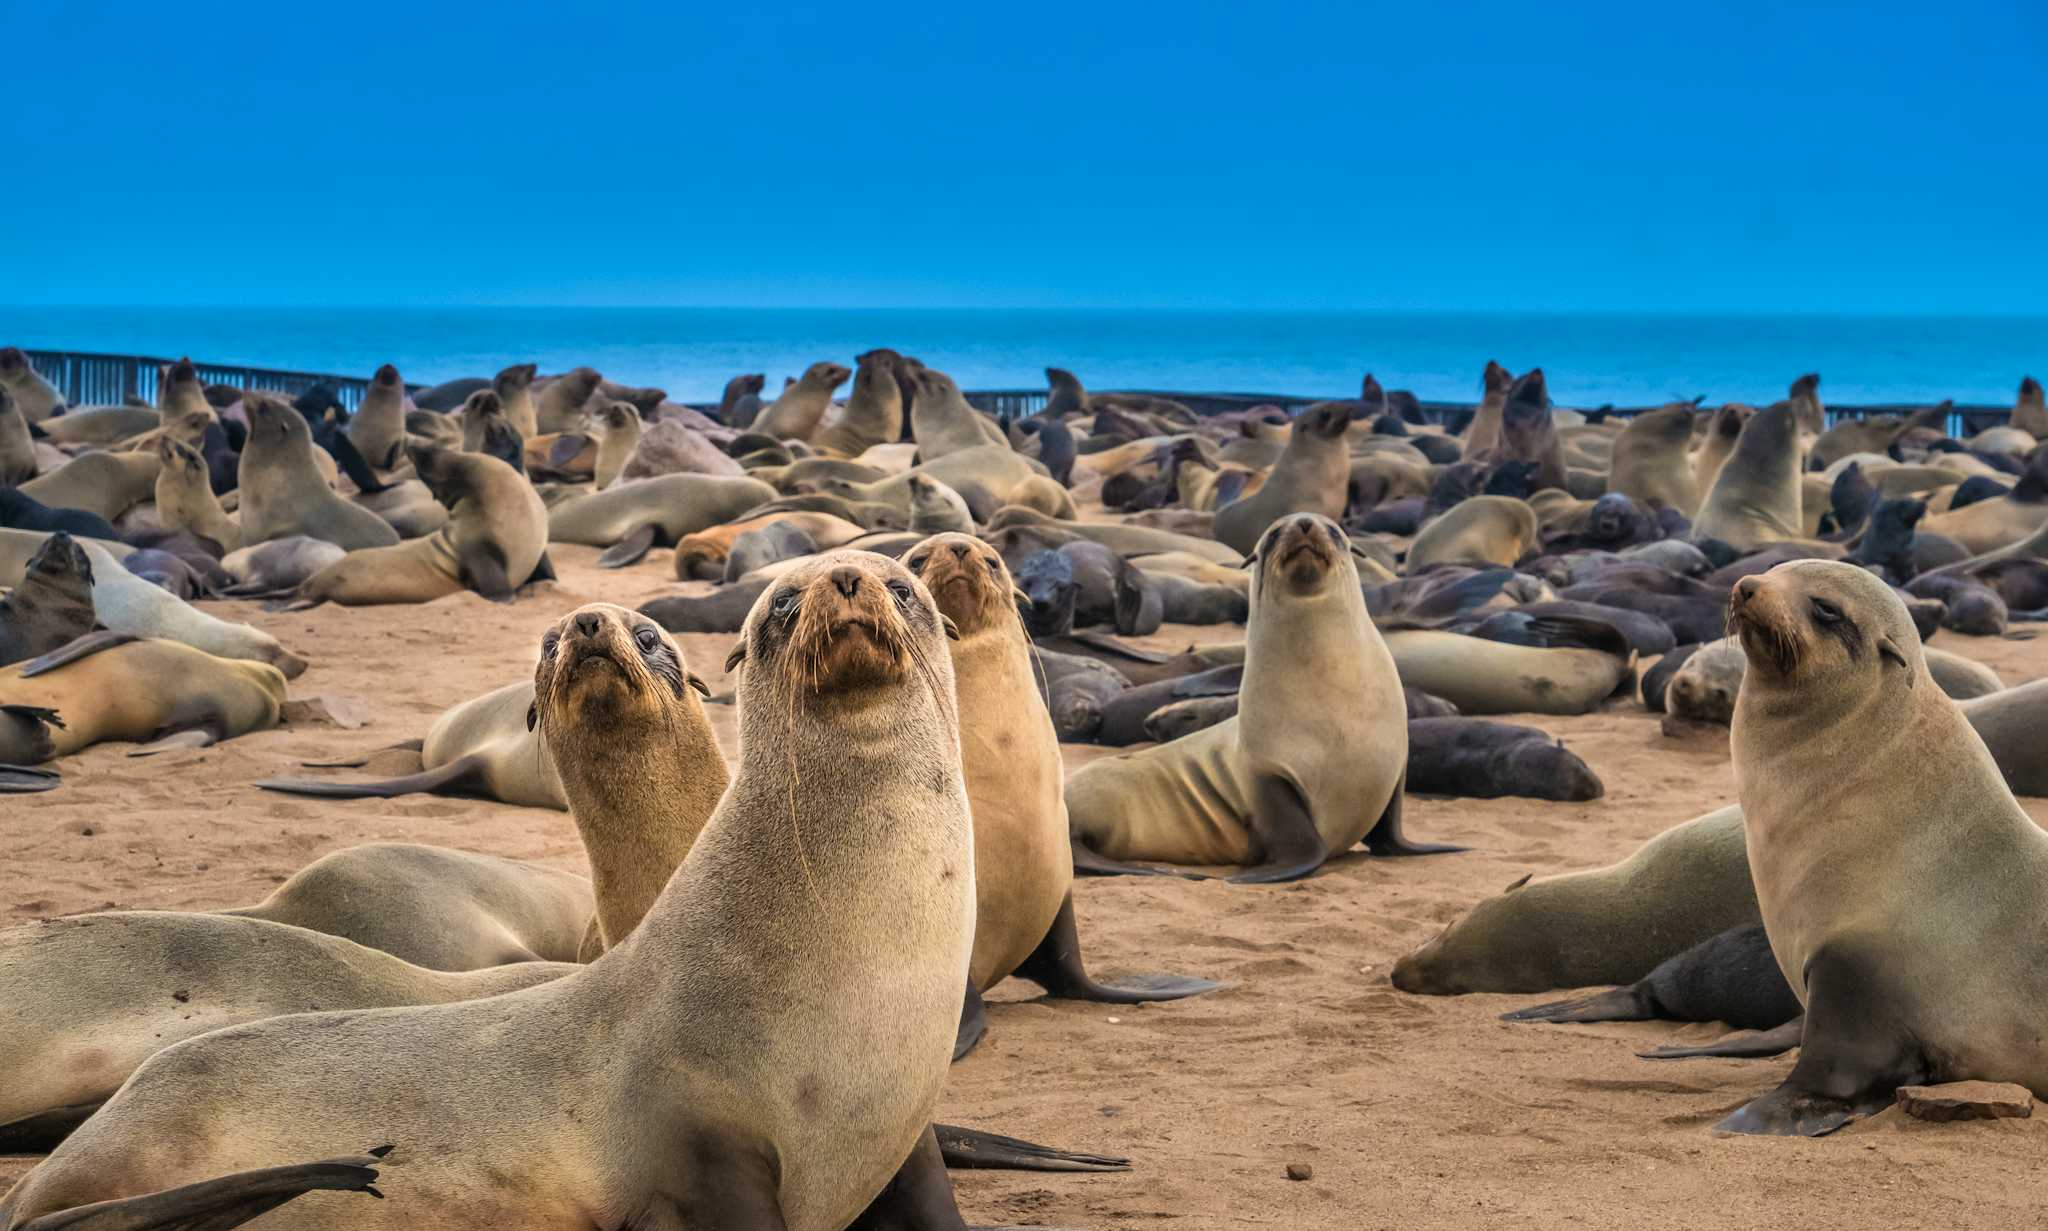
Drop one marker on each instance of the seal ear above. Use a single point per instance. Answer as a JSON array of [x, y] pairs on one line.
[[1888, 648], [738, 656], [952, 630], [532, 715], [1518, 884], [1252, 557], [703, 689]]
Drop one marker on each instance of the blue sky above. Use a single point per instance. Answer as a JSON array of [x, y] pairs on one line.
[[1829, 158]]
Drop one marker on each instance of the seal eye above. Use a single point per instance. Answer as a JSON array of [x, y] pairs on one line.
[[1336, 535], [785, 603], [995, 565], [548, 644], [902, 592], [1826, 612], [649, 640], [917, 565]]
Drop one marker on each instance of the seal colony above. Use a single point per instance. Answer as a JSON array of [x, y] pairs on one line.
[[1287, 635]]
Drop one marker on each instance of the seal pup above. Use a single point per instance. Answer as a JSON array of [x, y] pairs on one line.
[[1724, 428], [618, 426], [283, 490], [36, 398], [1472, 758], [276, 568], [495, 540], [1312, 764], [847, 714], [610, 684], [1313, 475], [801, 408], [1904, 890], [105, 687], [1730, 978], [1756, 499], [53, 604], [377, 429], [1024, 902]]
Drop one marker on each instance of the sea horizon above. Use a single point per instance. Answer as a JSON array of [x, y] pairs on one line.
[[1592, 357]]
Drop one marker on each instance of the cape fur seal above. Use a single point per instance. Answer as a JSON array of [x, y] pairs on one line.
[[185, 499], [495, 541], [129, 605], [618, 425], [377, 429], [52, 605], [801, 408], [108, 687], [1755, 499], [37, 398], [1024, 905], [847, 714], [104, 484], [18, 461], [1312, 475], [1313, 762], [629, 518], [1560, 665], [283, 490], [1497, 530], [1904, 890], [558, 407], [1651, 462], [1483, 435], [942, 421]]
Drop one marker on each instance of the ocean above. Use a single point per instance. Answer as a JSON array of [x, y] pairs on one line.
[[1590, 359]]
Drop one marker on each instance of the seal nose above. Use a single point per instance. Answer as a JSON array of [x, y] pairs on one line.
[[1746, 589], [588, 623], [846, 580], [960, 550]]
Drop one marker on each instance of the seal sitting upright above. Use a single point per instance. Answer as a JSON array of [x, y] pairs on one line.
[[1313, 761], [1904, 890], [764, 1051]]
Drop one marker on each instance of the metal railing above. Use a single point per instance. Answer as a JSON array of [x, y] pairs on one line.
[[87, 379]]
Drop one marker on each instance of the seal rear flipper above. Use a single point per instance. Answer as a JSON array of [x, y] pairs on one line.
[[483, 570], [1854, 1054], [1386, 838], [919, 1197], [1056, 966], [410, 745], [629, 549], [1285, 832], [71, 651], [1742, 1045], [44, 1131], [215, 1205], [1110, 645], [1088, 863], [190, 737], [973, 1022], [1619, 1004], [24, 780], [457, 776], [967, 1149]]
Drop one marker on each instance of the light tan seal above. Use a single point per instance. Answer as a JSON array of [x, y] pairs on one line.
[[1755, 498], [618, 426], [1024, 868], [283, 490], [100, 426], [1483, 435], [1651, 463], [777, 1030], [1904, 890], [108, 484], [36, 398], [874, 410], [1480, 530], [378, 428], [617, 709], [558, 407], [185, 499], [105, 687], [1312, 476], [18, 461], [942, 421], [801, 408], [630, 518], [495, 540], [702, 556], [1313, 762], [129, 605], [1583, 666]]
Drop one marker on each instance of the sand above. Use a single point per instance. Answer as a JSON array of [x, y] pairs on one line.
[[1411, 1111]]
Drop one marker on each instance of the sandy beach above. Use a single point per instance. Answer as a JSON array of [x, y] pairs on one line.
[[1410, 1111]]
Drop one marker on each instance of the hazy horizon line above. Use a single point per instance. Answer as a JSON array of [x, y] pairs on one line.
[[1182, 310]]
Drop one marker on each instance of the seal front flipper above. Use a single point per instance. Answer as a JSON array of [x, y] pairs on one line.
[[542, 571], [24, 780], [483, 570], [456, 776], [1056, 966], [73, 650], [25, 732], [1854, 1054], [1285, 832], [1088, 863], [1619, 1004], [629, 549], [215, 1205], [973, 1022], [1386, 838], [1743, 1045], [44, 1131], [728, 1183], [919, 1197], [967, 1149]]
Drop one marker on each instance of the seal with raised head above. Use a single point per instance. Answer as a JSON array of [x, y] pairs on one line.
[[792, 997], [558, 407], [618, 426], [53, 604], [874, 410], [283, 490], [1312, 764], [377, 429], [1313, 475], [941, 419], [1024, 903], [185, 498], [1755, 499], [37, 398], [801, 408], [1483, 435], [1651, 462], [495, 541], [18, 461], [1904, 889]]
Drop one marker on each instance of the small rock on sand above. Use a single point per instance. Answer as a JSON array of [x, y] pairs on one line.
[[1967, 1100]]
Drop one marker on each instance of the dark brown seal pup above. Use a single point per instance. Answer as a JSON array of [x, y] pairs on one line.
[[53, 604]]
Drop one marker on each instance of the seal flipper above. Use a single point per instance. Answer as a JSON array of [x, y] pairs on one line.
[[1854, 1054], [726, 1184], [24, 780], [1742, 1045], [629, 549], [352, 464], [544, 570], [1088, 863], [919, 1197], [973, 1022], [1617, 1004], [967, 1149], [483, 570], [456, 777], [215, 1205], [44, 1131], [1056, 966], [201, 736], [1385, 837], [71, 651], [1285, 832]]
